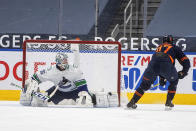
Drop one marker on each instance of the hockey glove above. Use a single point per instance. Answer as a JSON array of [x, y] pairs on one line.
[[162, 81], [182, 74]]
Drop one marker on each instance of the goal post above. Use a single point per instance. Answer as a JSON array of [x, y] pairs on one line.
[[100, 61]]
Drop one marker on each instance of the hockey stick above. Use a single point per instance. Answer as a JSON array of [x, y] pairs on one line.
[[38, 94], [12, 84], [155, 85]]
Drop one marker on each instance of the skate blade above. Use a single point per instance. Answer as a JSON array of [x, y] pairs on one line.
[[167, 108], [129, 108]]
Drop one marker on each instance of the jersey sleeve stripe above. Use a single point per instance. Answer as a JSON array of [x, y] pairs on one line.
[[80, 82], [184, 58], [172, 60]]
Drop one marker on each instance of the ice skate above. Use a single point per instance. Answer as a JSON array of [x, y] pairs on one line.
[[169, 105], [131, 105]]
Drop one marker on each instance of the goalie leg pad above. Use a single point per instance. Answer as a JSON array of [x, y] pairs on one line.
[[25, 99], [101, 99], [84, 99], [106, 99], [26, 95], [112, 99]]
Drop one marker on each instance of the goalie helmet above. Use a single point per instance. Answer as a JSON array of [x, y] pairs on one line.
[[168, 39], [62, 60]]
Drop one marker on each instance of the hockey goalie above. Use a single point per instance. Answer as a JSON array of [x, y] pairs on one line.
[[69, 87]]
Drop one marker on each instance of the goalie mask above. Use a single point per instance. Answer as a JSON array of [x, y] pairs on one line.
[[62, 60]]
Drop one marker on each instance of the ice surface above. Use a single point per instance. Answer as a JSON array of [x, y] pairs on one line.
[[14, 117]]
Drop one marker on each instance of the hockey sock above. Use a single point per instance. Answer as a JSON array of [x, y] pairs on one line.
[[170, 95], [138, 94]]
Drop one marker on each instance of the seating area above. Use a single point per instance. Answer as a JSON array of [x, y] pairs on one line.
[[176, 19], [71, 19], [47, 16], [42, 16]]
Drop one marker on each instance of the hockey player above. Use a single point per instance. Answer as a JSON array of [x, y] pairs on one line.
[[163, 64], [69, 84]]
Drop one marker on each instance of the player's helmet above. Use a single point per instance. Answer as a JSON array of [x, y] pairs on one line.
[[169, 39], [62, 60]]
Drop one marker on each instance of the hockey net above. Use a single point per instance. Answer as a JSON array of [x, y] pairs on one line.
[[99, 61]]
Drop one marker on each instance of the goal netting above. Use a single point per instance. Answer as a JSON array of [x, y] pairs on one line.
[[99, 61]]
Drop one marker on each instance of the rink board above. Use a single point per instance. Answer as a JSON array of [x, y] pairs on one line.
[[148, 98], [133, 65]]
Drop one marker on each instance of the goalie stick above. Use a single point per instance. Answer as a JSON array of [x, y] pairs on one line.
[[38, 94]]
